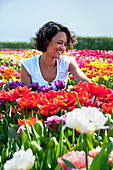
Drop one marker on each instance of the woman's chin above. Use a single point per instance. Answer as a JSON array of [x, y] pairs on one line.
[[58, 56]]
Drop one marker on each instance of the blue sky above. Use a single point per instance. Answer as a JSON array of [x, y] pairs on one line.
[[20, 19]]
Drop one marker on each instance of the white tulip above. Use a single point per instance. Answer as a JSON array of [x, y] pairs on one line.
[[85, 120], [22, 160]]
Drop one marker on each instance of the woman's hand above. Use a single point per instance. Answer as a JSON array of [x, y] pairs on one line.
[[77, 72]]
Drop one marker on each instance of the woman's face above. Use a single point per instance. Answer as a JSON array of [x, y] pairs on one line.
[[57, 45]]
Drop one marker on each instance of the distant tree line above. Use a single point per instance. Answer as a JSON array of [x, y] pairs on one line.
[[93, 43], [16, 45]]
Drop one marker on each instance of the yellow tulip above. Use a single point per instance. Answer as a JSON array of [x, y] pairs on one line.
[[106, 77]]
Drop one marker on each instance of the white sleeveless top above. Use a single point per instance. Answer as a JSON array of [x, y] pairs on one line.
[[33, 68]]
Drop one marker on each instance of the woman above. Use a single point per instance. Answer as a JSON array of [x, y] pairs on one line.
[[53, 40]]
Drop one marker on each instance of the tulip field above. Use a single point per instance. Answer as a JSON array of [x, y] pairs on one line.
[[70, 128]]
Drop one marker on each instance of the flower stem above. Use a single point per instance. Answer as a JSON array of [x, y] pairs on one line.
[[98, 133], [7, 115], [86, 150], [94, 101], [23, 113], [73, 137], [32, 111], [104, 133]]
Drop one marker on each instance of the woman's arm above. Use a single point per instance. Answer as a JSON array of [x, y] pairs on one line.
[[77, 72], [25, 76]]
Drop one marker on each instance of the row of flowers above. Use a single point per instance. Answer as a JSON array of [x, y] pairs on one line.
[[97, 65], [88, 94], [86, 108], [71, 128]]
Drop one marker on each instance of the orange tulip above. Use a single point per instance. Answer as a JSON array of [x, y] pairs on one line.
[[29, 100], [67, 101], [48, 107], [8, 73], [29, 121]]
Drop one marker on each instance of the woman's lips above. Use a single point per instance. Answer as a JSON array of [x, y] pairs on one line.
[[59, 52]]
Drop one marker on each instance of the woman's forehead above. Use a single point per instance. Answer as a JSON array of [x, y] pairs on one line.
[[60, 36]]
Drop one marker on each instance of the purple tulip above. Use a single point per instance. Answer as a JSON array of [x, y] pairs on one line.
[[13, 85], [34, 86], [45, 88], [53, 122], [2, 102], [24, 129], [60, 84], [63, 118]]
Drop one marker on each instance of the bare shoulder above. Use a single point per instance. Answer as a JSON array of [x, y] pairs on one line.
[[73, 65], [23, 69], [25, 76]]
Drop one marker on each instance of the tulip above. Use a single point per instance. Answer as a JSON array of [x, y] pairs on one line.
[[85, 120], [23, 160], [60, 84]]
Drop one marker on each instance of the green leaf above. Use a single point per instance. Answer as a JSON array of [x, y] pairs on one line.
[[36, 137], [90, 141], [27, 132], [110, 132], [37, 150], [78, 103], [39, 128], [26, 145], [112, 114], [45, 139], [80, 142], [18, 115], [57, 167], [4, 156], [101, 160], [45, 159], [11, 133], [3, 139], [81, 146], [52, 143], [60, 145], [69, 164], [23, 136], [68, 143], [95, 142]]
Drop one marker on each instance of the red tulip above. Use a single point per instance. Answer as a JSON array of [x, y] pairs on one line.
[[108, 107]]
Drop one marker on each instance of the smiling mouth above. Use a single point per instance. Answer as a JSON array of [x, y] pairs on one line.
[[59, 52]]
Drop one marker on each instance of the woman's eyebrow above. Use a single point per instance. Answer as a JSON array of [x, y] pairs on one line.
[[61, 40]]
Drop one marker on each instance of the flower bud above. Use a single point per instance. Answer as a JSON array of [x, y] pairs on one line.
[[36, 148], [53, 143], [109, 121], [39, 128]]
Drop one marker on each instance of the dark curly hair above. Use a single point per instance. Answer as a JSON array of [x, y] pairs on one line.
[[48, 31]]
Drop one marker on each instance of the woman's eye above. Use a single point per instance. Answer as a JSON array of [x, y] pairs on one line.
[[62, 43], [59, 42]]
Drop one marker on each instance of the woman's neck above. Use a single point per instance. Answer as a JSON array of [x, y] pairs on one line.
[[47, 61], [48, 68]]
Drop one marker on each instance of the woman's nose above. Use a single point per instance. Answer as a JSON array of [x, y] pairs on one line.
[[63, 47]]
